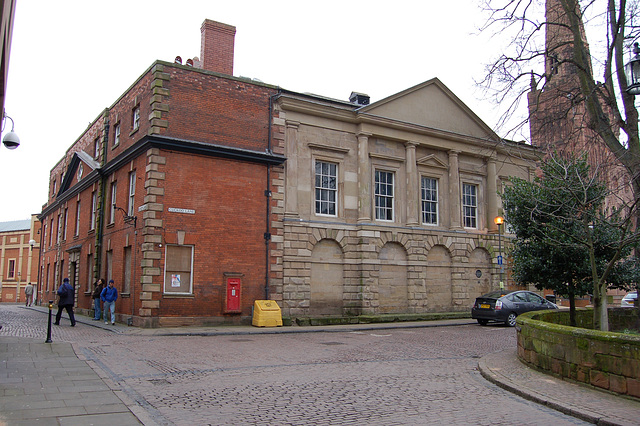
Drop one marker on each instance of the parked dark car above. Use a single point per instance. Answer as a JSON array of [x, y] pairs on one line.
[[505, 306]]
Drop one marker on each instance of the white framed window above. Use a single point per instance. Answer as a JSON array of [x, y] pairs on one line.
[[429, 194], [96, 148], [64, 224], [112, 204], [53, 192], [94, 207], [11, 270], [326, 188], [51, 233], [135, 118], [384, 195], [116, 134], [77, 230], [177, 269], [470, 205], [132, 194], [59, 235]]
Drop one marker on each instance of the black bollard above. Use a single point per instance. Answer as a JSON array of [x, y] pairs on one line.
[[49, 325]]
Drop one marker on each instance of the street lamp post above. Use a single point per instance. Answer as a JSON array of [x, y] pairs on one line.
[[499, 220]]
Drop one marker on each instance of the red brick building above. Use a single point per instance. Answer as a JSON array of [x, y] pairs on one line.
[[19, 249], [169, 193]]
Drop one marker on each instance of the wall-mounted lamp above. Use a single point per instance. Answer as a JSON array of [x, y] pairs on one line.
[[10, 140], [127, 218], [32, 243]]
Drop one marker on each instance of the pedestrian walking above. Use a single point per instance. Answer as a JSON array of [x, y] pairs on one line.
[[67, 296], [109, 296], [98, 286], [28, 293]]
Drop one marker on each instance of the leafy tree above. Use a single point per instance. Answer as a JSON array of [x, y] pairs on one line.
[[565, 240]]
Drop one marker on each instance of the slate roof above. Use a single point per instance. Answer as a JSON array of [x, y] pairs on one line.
[[15, 225]]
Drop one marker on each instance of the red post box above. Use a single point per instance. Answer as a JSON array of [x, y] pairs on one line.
[[232, 299]]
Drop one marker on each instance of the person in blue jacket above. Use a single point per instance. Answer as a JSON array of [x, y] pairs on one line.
[[109, 296], [67, 296]]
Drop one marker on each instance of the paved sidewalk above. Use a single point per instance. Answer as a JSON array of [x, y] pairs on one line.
[[602, 408], [48, 384]]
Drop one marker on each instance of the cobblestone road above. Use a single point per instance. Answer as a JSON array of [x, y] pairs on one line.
[[388, 377]]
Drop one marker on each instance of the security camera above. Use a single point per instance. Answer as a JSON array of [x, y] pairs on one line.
[[11, 140]]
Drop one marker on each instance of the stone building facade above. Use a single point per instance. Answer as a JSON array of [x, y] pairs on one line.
[[389, 207]]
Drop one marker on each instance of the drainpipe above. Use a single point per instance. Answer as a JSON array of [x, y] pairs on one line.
[[267, 194], [101, 200]]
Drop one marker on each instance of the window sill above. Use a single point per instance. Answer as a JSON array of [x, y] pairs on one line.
[[178, 296], [134, 131]]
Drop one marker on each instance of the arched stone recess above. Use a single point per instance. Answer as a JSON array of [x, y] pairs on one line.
[[338, 235], [327, 278], [478, 275], [392, 237], [439, 240], [439, 290], [393, 286]]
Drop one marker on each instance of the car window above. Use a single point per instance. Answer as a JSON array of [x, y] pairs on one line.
[[534, 298], [517, 297]]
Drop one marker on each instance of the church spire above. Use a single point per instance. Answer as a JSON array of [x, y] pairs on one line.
[[559, 40]]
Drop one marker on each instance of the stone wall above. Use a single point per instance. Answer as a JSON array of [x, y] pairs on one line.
[[606, 360], [373, 270]]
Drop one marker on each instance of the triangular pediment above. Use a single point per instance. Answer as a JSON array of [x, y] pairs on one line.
[[432, 161], [432, 105], [80, 166]]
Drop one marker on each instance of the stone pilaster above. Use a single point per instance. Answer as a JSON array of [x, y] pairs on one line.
[[152, 234], [159, 108], [291, 169], [455, 209], [413, 189], [364, 179]]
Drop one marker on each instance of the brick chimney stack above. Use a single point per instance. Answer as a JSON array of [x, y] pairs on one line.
[[216, 48]]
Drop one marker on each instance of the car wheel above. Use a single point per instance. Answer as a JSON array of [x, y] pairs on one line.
[[511, 319], [482, 322]]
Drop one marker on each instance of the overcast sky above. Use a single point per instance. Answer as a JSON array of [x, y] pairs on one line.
[[72, 59]]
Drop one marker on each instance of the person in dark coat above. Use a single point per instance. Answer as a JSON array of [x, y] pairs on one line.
[[67, 296], [98, 286]]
